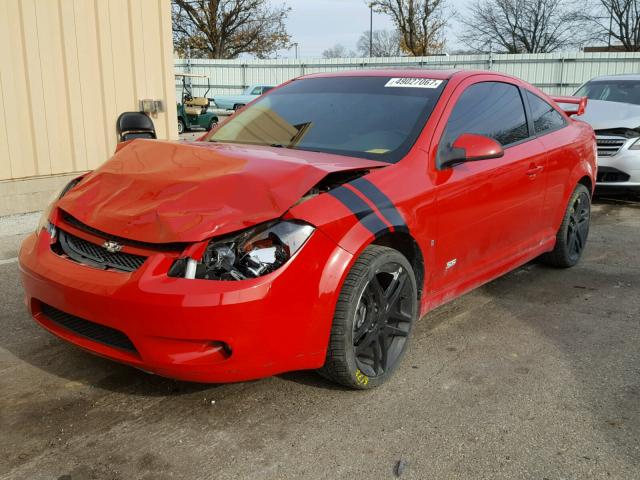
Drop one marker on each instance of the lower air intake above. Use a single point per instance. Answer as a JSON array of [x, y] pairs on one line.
[[93, 331]]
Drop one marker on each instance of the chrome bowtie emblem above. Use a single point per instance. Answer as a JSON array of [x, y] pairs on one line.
[[111, 246]]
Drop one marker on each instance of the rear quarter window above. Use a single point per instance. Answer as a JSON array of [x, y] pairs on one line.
[[545, 117]]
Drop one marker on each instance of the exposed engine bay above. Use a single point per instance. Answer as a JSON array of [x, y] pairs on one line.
[[261, 249], [251, 253], [331, 181]]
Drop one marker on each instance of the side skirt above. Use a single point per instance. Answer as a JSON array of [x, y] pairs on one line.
[[431, 301]]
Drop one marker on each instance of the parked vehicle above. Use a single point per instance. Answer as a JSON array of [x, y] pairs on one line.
[[614, 113], [234, 102], [312, 229], [193, 112]]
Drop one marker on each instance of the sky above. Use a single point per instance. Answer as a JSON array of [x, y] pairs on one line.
[[320, 24]]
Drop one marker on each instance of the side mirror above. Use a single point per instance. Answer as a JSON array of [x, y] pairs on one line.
[[470, 147]]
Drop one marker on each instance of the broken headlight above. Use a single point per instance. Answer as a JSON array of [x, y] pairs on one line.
[[249, 254], [57, 195]]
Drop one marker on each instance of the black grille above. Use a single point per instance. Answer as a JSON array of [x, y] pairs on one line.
[[172, 247], [611, 175], [94, 255], [92, 331]]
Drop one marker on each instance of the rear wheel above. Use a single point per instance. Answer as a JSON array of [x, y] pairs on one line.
[[373, 319], [212, 123], [181, 127], [571, 238]]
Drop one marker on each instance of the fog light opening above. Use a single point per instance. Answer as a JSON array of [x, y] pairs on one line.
[[223, 347]]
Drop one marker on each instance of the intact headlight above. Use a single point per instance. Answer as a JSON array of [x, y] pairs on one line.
[[44, 218], [635, 145], [251, 253]]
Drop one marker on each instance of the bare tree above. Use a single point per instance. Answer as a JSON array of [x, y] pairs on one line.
[[385, 43], [421, 23], [523, 26], [227, 28], [617, 20], [338, 51]]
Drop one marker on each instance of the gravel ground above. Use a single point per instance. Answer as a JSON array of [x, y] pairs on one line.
[[533, 376]]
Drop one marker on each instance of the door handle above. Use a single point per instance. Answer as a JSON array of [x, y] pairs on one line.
[[535, 170]]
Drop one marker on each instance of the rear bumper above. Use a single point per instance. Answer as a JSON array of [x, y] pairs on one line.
[[197, 330]]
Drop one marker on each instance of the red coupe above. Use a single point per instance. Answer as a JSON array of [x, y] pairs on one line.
[[312, 229]]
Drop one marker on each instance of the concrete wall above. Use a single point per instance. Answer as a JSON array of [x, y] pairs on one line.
[[68, 68]]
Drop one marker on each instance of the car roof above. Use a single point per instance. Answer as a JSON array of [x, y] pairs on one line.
[[622, 76], [388, 72], [416, 72]]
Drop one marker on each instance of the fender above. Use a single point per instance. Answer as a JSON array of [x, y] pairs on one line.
[[586, 167], [353, 215]]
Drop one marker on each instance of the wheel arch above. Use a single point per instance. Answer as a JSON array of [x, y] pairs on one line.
[[587, 182], [356, 239], [404, 243], [582, 174]]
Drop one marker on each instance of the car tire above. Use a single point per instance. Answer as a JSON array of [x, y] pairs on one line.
[[373, 319], [571, 238], [212, 123], [181, 126], [238, 106]]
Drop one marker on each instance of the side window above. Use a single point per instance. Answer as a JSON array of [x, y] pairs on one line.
[[492, 109], [256, 91], [544, 116]]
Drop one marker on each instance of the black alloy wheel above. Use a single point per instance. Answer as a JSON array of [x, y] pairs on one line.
[[381, 326], [578, 228], [373, 319], [571, 238]]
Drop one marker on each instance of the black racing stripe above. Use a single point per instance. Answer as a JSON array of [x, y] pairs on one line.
[[380, 200], [360, 209]]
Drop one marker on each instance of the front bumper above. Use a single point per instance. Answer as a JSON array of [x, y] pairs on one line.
[[620, 171], [272, 324]]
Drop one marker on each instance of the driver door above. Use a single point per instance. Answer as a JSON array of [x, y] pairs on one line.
[[489, 211]]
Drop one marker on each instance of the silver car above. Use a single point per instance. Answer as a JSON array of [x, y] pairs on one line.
[[613, 111]]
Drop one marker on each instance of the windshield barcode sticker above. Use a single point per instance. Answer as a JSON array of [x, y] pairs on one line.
[[413, 83]]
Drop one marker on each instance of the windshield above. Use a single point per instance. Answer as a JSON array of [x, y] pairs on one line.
[[623, 91], [371, 117]]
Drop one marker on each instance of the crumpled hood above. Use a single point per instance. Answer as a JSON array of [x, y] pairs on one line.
[[162, 192], [603, 115]]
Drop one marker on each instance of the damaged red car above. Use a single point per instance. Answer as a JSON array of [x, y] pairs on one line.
[[313, 228]]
